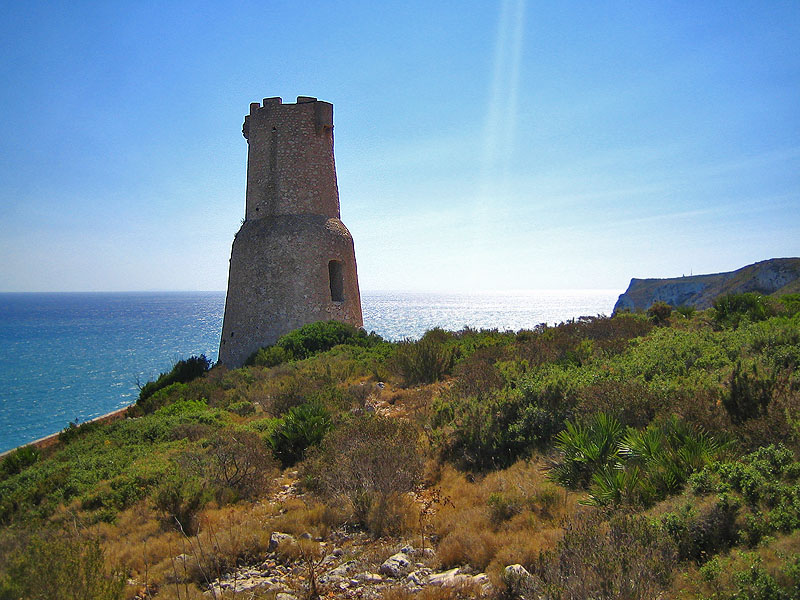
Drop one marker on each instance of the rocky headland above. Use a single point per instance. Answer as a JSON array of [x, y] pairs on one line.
[[774, 276]]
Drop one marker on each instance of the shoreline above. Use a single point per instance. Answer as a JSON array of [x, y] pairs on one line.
[[51, 440]]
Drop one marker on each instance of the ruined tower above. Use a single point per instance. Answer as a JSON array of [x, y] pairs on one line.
[[292, 261]]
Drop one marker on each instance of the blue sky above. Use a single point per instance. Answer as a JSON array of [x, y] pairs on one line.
[[479, 145]]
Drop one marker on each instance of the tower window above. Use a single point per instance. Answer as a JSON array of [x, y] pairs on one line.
[[336, 280]]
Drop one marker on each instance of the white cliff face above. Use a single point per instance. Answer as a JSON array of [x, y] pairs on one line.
[[766, 277]]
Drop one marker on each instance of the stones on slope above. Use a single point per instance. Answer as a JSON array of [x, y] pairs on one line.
[[396, 565], [448, 578], [277, 538], [367, 577], [517, 578]]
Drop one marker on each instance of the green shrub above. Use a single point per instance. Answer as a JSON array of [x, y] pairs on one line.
[[369, 461], [730, 310], [659, 312], [243, 408], [424, 361], [182, 407], [18, 460], [791, 303], [686, 310], [270, 356], [768, 480], [179, 498], [492, 431], [312, 339], [301, 427], [59, 567], [748, 394], [74, 430], [699, 535], [183, 371], [756, 584]]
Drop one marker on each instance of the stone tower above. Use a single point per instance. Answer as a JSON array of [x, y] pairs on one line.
[[293, 260]]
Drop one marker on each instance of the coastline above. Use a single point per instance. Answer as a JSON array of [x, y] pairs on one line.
[[51, 440]]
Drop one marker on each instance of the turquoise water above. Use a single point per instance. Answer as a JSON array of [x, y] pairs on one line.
[[75, 356]]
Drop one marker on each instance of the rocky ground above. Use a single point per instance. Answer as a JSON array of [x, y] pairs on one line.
[[347, 564]]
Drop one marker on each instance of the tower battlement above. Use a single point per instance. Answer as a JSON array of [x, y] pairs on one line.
[[293, 260], [290, 164]]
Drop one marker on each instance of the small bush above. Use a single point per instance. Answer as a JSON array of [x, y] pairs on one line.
[[493, 430], [303, 426], [659, 312], [183, 371], [730, 310], [424, 361], [699, 534], [748, 395], [311, 339], [791, 303], [18, 460], [74, 430], [370, 462], [180, 498], [243, 408], [241, 462], [59, 567], [627, 559], [270, 356]]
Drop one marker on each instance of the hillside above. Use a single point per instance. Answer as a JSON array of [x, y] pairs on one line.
[[606, 457], [774, 276]]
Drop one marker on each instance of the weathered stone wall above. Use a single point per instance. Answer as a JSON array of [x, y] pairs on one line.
[[280, 275], [290, 164]]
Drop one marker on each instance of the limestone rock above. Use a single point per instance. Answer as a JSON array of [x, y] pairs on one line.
[[396, 565], [277, 538], [367, 577], [781, 275], [515, 576]]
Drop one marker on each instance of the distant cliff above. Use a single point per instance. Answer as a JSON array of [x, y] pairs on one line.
[[777, 275]]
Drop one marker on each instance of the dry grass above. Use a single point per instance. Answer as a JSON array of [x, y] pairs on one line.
[[505, 517], [147, 552], [302, 515], [464, 591]]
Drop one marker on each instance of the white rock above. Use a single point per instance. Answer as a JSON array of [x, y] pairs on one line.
[[276, 539], [367, 577], [396, 565], [443, 578], [516, 575], [343, 570]]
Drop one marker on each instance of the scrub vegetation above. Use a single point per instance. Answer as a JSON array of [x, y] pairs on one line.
[[636, 456]]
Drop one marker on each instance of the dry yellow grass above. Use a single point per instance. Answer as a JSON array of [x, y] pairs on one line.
[[506, 517]]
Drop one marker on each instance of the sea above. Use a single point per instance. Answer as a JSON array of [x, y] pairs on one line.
[[71, 357]]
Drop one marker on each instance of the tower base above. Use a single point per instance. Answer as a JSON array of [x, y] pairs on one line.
[[287, 271]]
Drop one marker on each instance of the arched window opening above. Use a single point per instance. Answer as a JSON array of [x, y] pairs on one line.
[[336, 280]]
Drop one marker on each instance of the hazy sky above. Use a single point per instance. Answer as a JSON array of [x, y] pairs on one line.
[[479, 145]]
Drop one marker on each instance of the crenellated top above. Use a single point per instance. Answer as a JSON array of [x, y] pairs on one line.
[[290, 164], [323, 111]]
